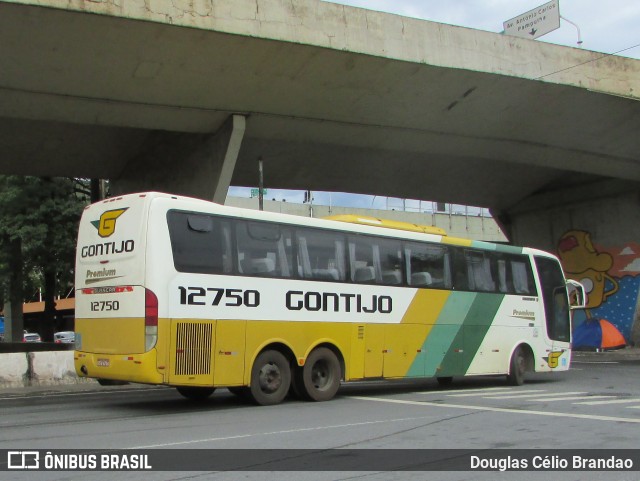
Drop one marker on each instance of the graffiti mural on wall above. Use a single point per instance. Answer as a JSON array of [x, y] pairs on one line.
[[611, 276]]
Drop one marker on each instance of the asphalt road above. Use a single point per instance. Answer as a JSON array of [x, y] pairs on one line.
[[596, 405]]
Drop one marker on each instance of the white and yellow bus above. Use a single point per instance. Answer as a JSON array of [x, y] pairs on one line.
[[188, 293]]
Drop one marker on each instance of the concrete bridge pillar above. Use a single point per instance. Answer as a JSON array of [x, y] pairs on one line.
[[195, 165], [595, 230]]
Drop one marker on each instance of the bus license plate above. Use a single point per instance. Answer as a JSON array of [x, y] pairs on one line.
[[103, 362]]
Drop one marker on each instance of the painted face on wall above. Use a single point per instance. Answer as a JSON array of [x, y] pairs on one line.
[[583, 263]]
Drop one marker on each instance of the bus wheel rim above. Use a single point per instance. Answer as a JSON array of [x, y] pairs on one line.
[[270, 378], [321, 375]]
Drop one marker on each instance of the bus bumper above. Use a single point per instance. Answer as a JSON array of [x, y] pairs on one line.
[[140, 368]]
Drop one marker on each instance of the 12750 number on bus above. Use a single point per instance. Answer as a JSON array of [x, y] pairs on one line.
[[216, 296], [99, 306]]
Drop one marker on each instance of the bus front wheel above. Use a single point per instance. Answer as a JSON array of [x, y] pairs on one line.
[[319, 379], [270, 378], [517, 367], [195, 393]]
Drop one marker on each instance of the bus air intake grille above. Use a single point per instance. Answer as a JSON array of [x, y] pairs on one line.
[[193, 348]]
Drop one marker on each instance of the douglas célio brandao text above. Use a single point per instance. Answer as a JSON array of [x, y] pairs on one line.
[[549, 463]]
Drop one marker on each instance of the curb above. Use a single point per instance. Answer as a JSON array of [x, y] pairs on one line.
[[624, 354]]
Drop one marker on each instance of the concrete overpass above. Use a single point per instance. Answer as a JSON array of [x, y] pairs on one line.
[[186, 95], [335, 98]]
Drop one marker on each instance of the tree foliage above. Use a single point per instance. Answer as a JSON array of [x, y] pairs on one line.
[[43, 214]]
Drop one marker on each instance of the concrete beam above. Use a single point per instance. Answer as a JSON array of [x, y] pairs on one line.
[[588, 190], [226, 147], [196, 165], [336, 98]]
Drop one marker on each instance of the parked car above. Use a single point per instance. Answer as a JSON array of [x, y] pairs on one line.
[[31, 337], [64, 337]]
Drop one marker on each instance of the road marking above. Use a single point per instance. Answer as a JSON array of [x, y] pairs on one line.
[[632, 407], [535, 396], [569, 398], [591, 417], [271, 433], [481, 389], [474, 392], [518, 394], [613, 401]]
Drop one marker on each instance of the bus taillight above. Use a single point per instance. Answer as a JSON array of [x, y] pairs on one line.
[[150, 319]]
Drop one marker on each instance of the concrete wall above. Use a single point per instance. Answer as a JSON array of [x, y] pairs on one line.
[[596, 234], [468, 227], [38, 368], [14, 369]]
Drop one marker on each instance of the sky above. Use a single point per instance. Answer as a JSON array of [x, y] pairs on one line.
[[610, 27]]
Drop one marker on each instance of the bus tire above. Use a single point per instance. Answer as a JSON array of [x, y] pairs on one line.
[[320, 375], [445, 381], [270, 378], [517, 367], [195, 393]]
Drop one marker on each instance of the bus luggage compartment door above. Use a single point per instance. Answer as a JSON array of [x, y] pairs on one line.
[[374, 344], [229, 352]]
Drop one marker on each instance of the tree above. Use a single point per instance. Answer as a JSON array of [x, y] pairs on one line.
[[40, 215]]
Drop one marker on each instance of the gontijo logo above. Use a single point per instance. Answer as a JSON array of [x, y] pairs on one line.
[[552, 360], [107, 223]]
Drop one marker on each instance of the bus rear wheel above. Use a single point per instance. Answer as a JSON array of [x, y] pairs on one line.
[[319, 379], [270, 378], [517, 367], [195, 393]]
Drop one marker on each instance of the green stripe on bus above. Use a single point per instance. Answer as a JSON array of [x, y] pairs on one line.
[[477, 324], [446, 327], [467, 339]]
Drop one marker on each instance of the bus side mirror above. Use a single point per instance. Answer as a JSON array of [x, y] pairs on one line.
[[577, 295]]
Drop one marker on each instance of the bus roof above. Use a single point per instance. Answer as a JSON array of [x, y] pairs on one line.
[[389, 224], [364, 224]]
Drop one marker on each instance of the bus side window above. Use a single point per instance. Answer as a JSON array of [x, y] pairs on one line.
[[375, 260], [428, 265], [387, 255], [361, 258], [522, 277], [504, 284], [479, 271], [199, 243], [320, 255], [460, 277], [264, 249]]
